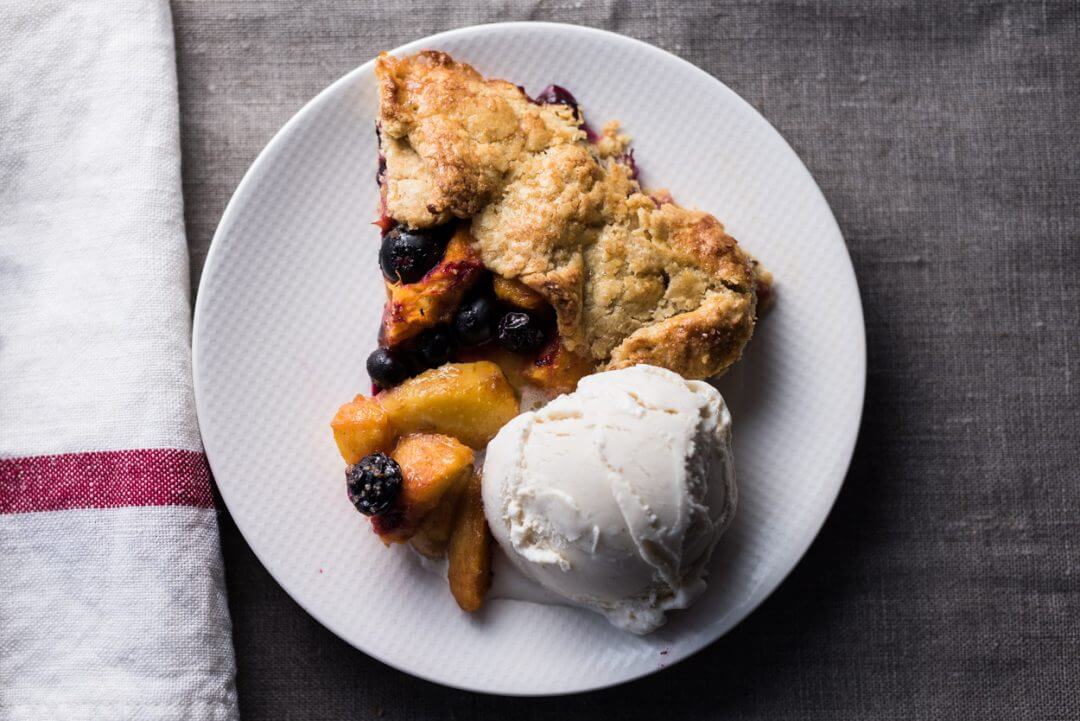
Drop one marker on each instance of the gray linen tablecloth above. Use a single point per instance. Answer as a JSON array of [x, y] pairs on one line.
[[946, 583]]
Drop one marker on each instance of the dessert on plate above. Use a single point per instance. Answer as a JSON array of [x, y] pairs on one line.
[[521, 255]]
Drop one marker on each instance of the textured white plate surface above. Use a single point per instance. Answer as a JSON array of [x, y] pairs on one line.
[[289, 306]]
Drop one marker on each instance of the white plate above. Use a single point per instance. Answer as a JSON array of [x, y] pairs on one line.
[[289, 306]]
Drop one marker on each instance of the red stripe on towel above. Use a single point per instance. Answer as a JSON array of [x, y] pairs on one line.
[[105, 479]]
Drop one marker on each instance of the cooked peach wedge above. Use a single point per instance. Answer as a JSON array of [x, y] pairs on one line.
[[515, 293], [469, 552], [469, 401], [556, 369], [512, 364], [432, 536], [415, 307], [360, 428], [433, 467]]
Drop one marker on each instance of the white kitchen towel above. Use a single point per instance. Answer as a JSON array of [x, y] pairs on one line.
[[112, 598]]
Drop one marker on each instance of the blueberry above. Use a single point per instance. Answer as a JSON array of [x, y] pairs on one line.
[[627, 159], [373, 484], [407, 255], [474, 321], [520, 332], [435, 346], [386, 368], [557, 95], [380, 174]]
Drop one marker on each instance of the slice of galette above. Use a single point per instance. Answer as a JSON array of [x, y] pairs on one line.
[[509, 223], [519, 252]]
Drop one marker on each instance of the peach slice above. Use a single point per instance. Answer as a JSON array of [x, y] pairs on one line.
[[557, 370], [470, 551], [432, 536], [517, 294], [432, 466], [512, 364], [469, 401], [414, 307], [360, 428]]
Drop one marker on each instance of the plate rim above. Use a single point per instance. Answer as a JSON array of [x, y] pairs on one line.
[[271, 147]]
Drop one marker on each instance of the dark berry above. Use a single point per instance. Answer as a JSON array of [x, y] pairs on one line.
[[520, 332], [475, 320], [557, 95], [435, 346], [380, 174], [386, 368], [407, 255], [373, 484], [627, 159], [388, 522]]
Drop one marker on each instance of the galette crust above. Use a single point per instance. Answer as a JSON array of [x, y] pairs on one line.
[[633, 277]]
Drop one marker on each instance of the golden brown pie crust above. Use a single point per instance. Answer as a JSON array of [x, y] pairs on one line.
[[633, 277]]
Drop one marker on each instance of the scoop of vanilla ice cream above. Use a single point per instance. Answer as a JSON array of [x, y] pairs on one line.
[[614, 496]]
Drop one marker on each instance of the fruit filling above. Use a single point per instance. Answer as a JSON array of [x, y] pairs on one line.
[[442, 305], [410, 453]]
